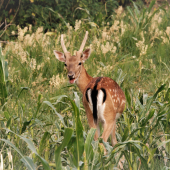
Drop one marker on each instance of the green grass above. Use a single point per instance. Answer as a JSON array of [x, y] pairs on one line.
[[42, 118]]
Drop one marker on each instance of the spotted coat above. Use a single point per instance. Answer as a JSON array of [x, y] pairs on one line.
[[111, 91]]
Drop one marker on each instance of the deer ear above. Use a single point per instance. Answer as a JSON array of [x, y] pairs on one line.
[[86, 55], [60, 56]]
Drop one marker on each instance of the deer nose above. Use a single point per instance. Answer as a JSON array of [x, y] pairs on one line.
[[71, 76]]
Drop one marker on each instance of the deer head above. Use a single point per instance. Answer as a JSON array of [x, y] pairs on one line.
[[73, 63]]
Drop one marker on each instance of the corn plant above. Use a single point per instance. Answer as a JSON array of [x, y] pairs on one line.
[[140, 130], [3, 78]]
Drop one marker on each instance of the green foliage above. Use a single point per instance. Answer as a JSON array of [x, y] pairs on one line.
[[140, 130], [92, 11], [123, 2], [141, 19], [41, 13], [3, 78], [67, 136], [43, 124]]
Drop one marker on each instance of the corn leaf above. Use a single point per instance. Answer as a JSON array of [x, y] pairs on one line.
[[67, 137]]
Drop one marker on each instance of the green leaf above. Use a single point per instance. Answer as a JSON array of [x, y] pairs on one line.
[[62, 19], [88, 148], [27, 161], [167, 96], [3, 75], [151, 5], [77, 100], [22, 89], [43, 142], [26, 123], [30, 161], [61, 118], [38, 105], [163, 143], [125, 146], [6, 70], [78, 147], [128, 98], [67, 137], [58, 98], [137, 12], [133, 16], [150, 115], [33, 149], [161, 88], [143, 160], [8, 122], [150, 100], [126, 154], [126, 134], [6, 114]]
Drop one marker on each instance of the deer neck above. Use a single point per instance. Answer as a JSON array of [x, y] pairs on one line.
[[83, 80]]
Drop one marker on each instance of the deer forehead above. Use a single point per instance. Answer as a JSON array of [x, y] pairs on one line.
[[73, 60]]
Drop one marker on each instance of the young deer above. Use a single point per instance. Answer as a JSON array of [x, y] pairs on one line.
[[103, 99]]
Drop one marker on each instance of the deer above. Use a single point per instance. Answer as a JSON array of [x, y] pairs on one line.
[[103, 99]]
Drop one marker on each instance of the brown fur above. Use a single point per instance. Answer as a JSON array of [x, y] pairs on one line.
[[115, 103], [115, 98]]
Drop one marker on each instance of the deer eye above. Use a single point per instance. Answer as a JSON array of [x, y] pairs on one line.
[[80, 63], [65, 64]]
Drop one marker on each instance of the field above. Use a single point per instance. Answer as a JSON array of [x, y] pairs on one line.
[[43, 124]]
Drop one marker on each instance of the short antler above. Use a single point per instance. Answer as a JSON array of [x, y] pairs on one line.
[[81, 47], [62, 44], [84, 42]]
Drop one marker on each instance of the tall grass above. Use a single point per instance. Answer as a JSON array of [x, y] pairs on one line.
[[42, 120], [3, 78]]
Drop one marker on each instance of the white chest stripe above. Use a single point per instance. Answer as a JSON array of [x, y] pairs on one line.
[[100, 106], [90, 100]]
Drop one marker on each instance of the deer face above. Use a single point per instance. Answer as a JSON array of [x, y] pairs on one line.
[[73, 63]]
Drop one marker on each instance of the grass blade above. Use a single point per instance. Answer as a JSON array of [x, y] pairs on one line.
[[150, 100], [43, 142], [88, 148], [33, 149], [3, 88], [61, 118], [128, 98], [30, 161], [26, 161], [67, 137]]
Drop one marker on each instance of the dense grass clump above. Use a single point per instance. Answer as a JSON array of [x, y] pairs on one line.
[[42, 120]]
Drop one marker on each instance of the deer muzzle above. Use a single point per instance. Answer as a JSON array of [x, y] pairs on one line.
[[71, 77]]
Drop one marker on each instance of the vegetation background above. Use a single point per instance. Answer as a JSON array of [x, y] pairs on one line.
[[42, 120]]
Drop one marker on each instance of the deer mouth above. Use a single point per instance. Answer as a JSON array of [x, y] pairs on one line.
[[71, 80]]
